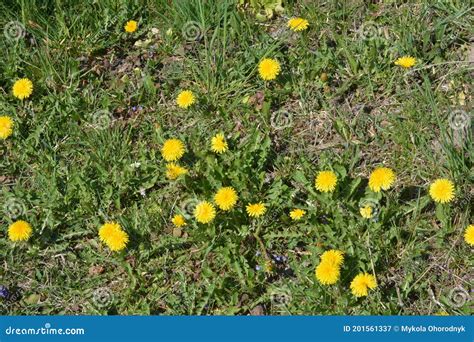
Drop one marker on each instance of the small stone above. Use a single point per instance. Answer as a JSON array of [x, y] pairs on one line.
[[257, 311], [177, 232]]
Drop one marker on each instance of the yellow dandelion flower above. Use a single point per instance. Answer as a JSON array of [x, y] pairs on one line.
[[185, 99], [298, 24], [382, 178], [173, 171], [297, 214], [173, 149], [6, 127], [333, 257], [218, 143], [326, 181], [204, 212], [20, 231], [367, 212], [362, 283], [178, 220], [469, 234], [441, 313], [406, 62], [23, 88], [327, 273], [442, 190], [226, 198], [256, 209], [269, 69], [113, 236], [131, 26]]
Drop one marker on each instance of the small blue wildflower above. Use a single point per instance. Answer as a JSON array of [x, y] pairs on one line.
[[4, 293]]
